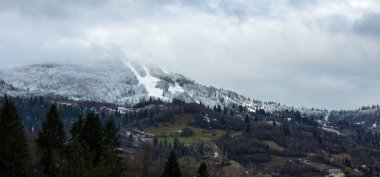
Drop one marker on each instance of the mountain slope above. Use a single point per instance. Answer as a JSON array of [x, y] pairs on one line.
[[122, 83], [111, 82]]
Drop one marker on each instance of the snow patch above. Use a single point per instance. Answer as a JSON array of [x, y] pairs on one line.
[[331, 130], [327, 117], [207, 118], [122, 110], [230, 100], [251, 110], [148, 81], [360, 123], [176, 89]]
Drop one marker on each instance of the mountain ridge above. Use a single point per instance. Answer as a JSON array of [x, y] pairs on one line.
[[129, 83], [40, 79], [124, 83]]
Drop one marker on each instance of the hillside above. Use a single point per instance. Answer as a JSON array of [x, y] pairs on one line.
[[112, 82], [235, 142], [122, 83]]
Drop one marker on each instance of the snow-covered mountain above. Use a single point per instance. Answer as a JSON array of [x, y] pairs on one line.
[[118, 82], [127, 83]]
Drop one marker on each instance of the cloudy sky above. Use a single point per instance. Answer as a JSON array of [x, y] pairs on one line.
[[315, 53]]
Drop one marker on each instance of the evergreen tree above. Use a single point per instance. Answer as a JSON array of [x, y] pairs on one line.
[[201, 152], [77, 128], [79, 159], [13, 147], [94, 148], [347, 162], [225, 111], [248, 126], [131, 136], [51, 143], [285, 129], [219, 109], [175, 143], [109, 164], [319, 140], [241, 109], [110, 137], [91, 135], [202, 170], [155, 141], [172, 167]]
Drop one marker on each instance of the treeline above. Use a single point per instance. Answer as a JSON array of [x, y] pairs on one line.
[[33, 110], [91, 150], [154, 114]]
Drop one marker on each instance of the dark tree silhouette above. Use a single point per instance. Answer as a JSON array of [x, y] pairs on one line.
[[51, 143], [13, 147], [202, 170], [91, 135], [172, 167], [248, 126]]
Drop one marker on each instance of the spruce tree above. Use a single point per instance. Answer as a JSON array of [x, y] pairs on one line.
[[110, 137], [110, 160], [79, 156], [109, 164], [51, 143], [248, 126], [202, 170], [172, 167], [94, 148], [92, 135], [155, 141], [77, 128], [13, 147], [79, 159]]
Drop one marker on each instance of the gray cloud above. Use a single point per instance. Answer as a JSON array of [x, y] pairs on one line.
[[316, 53], [369, 25]]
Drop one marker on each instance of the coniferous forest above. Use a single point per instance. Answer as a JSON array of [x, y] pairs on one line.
[[89, 149], [57, 138]]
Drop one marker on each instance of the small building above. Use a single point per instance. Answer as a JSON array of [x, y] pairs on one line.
[[335, 173]]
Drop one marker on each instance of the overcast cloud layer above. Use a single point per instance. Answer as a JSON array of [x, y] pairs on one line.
[[314, 53]]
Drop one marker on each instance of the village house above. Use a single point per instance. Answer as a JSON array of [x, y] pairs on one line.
[[335, 173]]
